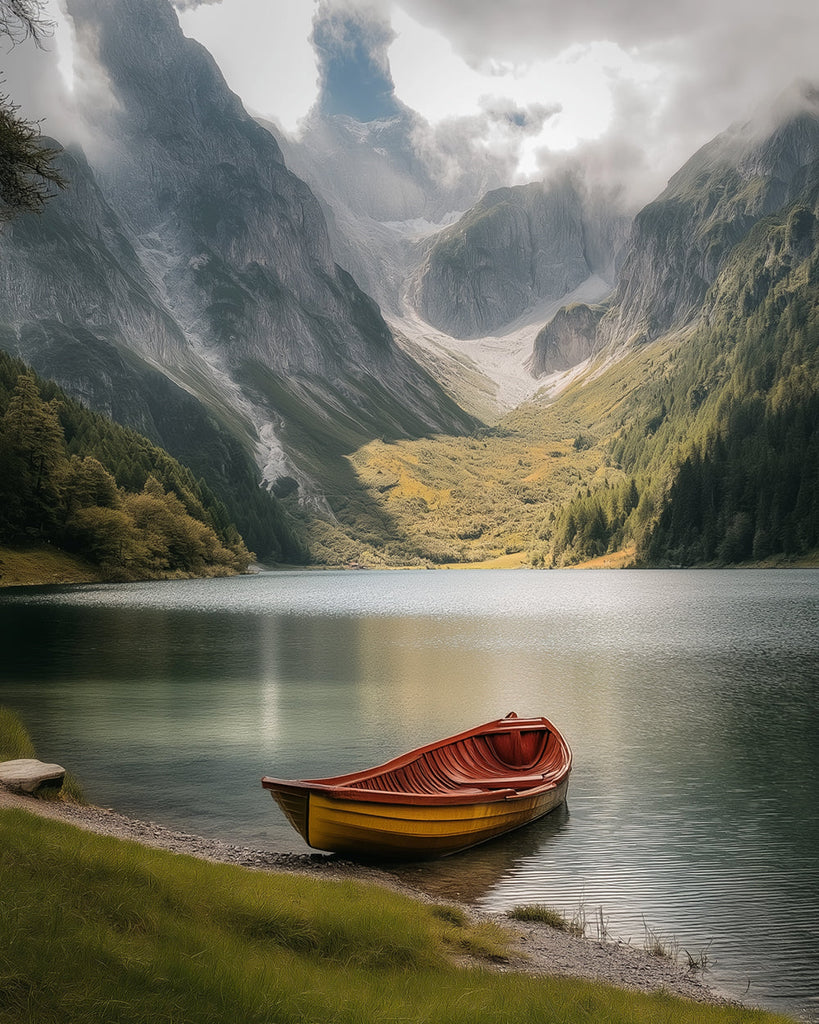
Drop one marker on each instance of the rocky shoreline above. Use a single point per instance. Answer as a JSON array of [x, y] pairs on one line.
[[536, 948]]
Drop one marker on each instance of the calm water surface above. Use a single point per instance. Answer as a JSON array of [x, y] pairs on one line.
[[689, 698]]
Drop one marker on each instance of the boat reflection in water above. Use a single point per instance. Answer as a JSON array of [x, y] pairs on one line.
[[473, 874], [437, 800]]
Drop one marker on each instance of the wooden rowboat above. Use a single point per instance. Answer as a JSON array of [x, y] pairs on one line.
[[438, 799]]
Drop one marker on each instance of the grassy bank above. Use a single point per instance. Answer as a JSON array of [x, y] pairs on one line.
[[15, 743], [23, 567], [44, 564], [100, 929]]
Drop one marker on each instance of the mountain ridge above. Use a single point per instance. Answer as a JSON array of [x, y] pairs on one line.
[[194, 286], [189, 248], [680, 240], [516, 246]]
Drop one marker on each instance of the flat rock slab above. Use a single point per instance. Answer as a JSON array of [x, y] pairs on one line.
[[27, 774]]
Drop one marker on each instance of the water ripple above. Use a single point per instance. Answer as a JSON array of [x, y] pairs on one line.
[[690, 700]]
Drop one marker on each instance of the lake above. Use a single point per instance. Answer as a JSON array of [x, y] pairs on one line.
[[690, 699]]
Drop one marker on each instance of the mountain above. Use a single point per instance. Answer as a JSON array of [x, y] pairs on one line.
[[516, 246], [746, 484], [421, 216], [720, 438], [369, 181], [200, 282], [79, 305], [680, 242], [464, 293], [185, 248], [385, 185], [384, 175], [567, 340], [679, 421]]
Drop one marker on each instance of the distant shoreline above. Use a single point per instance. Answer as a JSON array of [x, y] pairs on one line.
[[45, 565], [48, 566]]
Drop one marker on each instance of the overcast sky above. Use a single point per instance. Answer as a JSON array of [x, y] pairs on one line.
[[634, 85], [646, 82]]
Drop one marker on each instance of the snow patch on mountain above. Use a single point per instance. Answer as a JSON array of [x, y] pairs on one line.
[[501, 358], [419, 227]]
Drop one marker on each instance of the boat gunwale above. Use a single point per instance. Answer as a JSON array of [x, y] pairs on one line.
[[339, 786]]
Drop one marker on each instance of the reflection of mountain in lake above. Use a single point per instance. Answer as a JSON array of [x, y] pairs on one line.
[[469, 876]]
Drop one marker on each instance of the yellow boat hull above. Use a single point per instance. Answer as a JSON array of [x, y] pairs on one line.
[[405, 831]]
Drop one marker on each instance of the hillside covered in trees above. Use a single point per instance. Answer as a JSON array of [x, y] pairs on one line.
[[721, 452], [71, 478]]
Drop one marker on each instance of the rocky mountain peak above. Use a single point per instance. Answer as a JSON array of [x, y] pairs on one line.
[[187, 246], [516, 246], [681, 240]]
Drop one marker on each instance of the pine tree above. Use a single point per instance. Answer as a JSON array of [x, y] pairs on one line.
[[34, 456]]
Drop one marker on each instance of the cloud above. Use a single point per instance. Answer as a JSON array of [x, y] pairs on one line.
[[558, 102], [33, 78], [351, 43], [519, 30], [191, 5], [263, 50], [465, 156], [527, 120], [704, 64], [632, 86]]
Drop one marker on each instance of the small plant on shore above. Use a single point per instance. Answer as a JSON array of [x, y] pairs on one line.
[[697, 961], [70, 792], [540, 914], [579, 923], [655, 945]]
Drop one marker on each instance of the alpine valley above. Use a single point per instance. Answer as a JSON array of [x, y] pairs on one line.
[[359, 348]]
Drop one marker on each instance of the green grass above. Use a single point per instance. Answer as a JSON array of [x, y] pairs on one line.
[[470, 500], [541, 914], [446, 500], [95, 929], [15, 741], [31, 566]]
